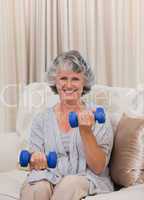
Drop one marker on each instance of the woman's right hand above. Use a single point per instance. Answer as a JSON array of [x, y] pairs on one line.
[[38, 161]]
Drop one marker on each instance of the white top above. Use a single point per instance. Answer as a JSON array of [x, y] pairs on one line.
[[66, 141]]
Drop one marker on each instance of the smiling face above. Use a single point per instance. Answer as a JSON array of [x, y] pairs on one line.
[[69, 85]]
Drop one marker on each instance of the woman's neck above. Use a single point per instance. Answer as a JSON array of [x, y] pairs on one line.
[[66, 107]]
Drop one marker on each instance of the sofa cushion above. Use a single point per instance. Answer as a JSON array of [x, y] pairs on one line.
[[9, 146], [117, 100], [132, 193], [10, 184], [127, 163]]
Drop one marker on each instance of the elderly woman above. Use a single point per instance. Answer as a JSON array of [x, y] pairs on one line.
[[83, 152]]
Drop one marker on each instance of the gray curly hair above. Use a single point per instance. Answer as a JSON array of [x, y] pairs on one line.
[[72, 61]]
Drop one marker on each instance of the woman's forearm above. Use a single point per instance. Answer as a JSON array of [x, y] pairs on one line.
[[95, 156]]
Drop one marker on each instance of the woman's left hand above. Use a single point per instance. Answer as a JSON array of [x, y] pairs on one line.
[[86, 119]]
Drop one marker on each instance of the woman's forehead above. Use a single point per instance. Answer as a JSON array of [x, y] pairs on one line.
[[69, 73]]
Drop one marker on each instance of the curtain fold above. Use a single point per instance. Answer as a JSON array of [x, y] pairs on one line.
[[8, 77], [109, 34], [22, 53]]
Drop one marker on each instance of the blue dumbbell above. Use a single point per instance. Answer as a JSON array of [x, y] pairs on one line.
[[25, 157], [99, 115]]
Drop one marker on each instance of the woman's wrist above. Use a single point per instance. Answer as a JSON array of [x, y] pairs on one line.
[[85, 130]]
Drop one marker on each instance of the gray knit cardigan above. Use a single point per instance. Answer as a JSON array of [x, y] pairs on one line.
[[45, 136]]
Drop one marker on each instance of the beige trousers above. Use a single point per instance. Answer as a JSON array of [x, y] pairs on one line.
[[71, 187]]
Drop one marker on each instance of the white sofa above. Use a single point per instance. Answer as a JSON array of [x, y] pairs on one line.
[[35, 97]]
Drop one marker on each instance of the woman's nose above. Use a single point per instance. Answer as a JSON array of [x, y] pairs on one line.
[[69, 83]]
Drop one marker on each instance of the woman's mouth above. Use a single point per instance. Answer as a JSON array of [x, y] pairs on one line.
[[69, 91]]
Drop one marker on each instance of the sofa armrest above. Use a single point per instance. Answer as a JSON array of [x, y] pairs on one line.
[[132, 193], [9, 146]]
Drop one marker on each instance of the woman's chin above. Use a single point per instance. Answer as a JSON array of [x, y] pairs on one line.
[[70, 97], [70, 100]]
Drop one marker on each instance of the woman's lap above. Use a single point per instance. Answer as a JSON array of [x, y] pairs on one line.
[[71, 187]]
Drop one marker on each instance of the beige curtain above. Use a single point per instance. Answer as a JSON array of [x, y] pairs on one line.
[[22, 53], [109, 33]]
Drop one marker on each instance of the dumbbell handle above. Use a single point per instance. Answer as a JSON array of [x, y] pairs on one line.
[[25, 157], [99, 115]]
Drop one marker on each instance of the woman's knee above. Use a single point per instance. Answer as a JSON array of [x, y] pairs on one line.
[[71, 187], [74, 182], [42, 186], [36, 190]]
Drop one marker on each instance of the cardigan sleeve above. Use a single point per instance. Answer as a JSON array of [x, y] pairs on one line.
[[36, 138]]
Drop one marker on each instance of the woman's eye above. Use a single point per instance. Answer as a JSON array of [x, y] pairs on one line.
[[63, 78], [75, 79]]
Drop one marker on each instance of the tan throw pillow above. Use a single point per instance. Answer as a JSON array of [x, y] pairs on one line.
[[127, 163]]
